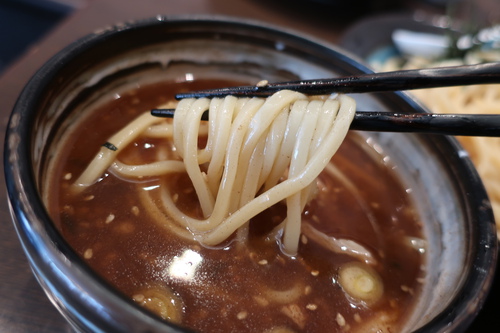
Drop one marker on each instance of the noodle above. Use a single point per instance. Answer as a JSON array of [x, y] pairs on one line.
[[258, 152], [482, 150], [476, 99]]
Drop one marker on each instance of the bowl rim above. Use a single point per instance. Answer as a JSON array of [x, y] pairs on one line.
[[25, 202]]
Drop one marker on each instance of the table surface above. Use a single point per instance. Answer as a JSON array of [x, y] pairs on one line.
[[23, 305]]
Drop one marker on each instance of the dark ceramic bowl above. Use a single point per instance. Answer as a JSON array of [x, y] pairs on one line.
[[447, 191]]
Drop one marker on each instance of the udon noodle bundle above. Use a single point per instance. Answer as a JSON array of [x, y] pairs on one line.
[[258, 152]]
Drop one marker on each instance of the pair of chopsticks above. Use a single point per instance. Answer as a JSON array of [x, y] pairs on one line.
[[447, 124]]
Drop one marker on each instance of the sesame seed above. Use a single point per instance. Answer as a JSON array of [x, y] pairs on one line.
[[138, 297], [261, 300], [263, 262], [315, 273], [311, 307], [262, 83], [407, 289], [303, 239], [68, 209], [89, 197], [307, 290], [135, 210], [357, 317], [340, 320], [88, 253], [110, 218], [242, 315], [68, 176]]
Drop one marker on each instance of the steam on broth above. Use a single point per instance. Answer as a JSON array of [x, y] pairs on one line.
[[356, 264]]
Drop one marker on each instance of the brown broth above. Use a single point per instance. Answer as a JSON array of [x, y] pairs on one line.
[[111, 230]]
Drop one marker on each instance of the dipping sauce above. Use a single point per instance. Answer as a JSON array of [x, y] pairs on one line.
[[235, 287]]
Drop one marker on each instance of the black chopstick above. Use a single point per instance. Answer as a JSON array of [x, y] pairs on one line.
[[377, 82], [431, 123]]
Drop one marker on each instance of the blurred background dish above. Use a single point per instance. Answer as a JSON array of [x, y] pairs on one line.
[[408, 42], [377, 45], [425, 35], [378, 48]]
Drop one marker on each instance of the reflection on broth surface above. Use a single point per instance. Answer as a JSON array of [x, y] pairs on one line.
[[359, 262]]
